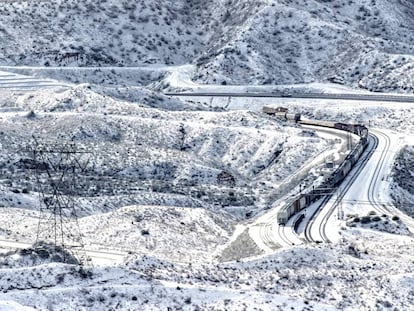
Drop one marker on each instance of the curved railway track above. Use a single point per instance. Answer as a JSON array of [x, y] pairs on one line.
[[287, 236], [381, 143], [324, 215], [316, 229], [284, 237], [267, 230], [376, 175], [349, 182], [321, 228]]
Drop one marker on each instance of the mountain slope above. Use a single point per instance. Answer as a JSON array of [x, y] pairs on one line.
[[359, 43], [355, 43], [112, 33]]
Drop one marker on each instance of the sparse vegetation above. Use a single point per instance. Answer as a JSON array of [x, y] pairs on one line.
[[363, 33], [403, 192], [169, 181]]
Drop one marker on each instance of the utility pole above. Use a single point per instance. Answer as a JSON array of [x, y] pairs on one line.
[[349, 140], [339, 204]]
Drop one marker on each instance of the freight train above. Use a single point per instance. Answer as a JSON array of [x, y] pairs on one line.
[[334, 180]]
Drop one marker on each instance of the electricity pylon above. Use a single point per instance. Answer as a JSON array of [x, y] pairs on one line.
[[57, 167]]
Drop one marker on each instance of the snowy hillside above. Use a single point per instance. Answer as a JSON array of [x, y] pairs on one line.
[[364, 44], [176, 199], [171, 190], [361, 272], [181, 152], [154, 175], [403, 188], [114, 33], [350, 42]]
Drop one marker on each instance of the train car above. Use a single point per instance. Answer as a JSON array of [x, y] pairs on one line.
[[357, 129], [318, 123], [356, 153], [288, 116], [293, 117], [336, 178], [273, 110], [282, 113], [300, 203], [285, 213], [345, 168], [344, 127], [268, 110], [360, 130], [293, 208]]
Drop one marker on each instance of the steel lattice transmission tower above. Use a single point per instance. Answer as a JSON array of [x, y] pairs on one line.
[[57, 167]]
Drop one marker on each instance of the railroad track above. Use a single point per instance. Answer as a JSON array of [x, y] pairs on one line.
[[284, 237], [376, 175], [388, 208], [275, 236], [268, 238], [323, 237], [324, 216], [308, 229]]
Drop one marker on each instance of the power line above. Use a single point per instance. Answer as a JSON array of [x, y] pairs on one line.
[[57, 166]]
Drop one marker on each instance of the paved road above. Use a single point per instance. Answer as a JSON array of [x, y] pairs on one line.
[[270, 234], [358, 97]]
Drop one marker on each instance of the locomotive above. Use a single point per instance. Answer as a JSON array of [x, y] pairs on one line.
[[282, 113]]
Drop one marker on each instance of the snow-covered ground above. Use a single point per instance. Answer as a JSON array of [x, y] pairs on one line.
[[365, 44], [177, 189], [21, 83], [177, 205], [178, 194], [198, 172]]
